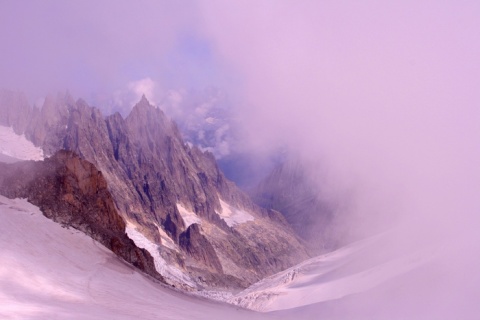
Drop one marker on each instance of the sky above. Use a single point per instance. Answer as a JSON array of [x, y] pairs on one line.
[[383, 93]]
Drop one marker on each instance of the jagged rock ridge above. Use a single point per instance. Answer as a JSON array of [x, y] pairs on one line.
[[151, 172]]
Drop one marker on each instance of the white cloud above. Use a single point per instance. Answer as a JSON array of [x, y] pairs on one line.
[[145, 86]]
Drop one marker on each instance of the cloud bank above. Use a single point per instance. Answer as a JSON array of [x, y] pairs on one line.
[[384, 96]]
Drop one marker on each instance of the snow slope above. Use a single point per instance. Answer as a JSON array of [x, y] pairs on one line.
[[17, 146], [353, 269], [51, 272]]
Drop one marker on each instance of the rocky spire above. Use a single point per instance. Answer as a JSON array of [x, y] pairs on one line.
[[151, 173]]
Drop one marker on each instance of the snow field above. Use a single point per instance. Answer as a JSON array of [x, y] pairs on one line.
[[353, 269], [51, 272]]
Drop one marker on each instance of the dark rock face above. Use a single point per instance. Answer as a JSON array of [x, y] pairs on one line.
[[197, 245], [150, 171], [72, 191]]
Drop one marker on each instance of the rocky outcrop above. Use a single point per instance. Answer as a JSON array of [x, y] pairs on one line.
[[150, 171], [196, 244], [72, 192]]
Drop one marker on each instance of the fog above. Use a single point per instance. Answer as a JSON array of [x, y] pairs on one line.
[[384, 95]]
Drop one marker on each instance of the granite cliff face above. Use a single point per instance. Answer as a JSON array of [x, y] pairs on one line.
[[72, 192], [172, 193], [198, 247]]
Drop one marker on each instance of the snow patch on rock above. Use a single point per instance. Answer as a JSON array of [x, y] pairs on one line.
[[233, 216], [17, 146], [188, 216]]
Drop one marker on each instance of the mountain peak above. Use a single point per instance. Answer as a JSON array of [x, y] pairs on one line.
[[144, 100], [143, 106], [144, 112]]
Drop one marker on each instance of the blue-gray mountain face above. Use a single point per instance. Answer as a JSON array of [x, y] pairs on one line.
[[291, 189]]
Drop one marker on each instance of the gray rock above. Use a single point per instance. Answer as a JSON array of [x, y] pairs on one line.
[[150, 169]]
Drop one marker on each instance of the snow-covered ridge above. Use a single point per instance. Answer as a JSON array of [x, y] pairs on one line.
[[356, 268], [17, 146], [233, 216]]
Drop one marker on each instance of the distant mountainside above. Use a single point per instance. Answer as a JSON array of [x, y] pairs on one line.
[[291, 190], [197, 221]]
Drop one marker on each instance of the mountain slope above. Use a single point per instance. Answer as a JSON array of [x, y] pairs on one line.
[[51, 272], [160, 184], [399, 274], [291, 189], [350, 270]]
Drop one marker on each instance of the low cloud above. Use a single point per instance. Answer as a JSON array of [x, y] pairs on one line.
[[388, 107], [142, 87], [382, 96]]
